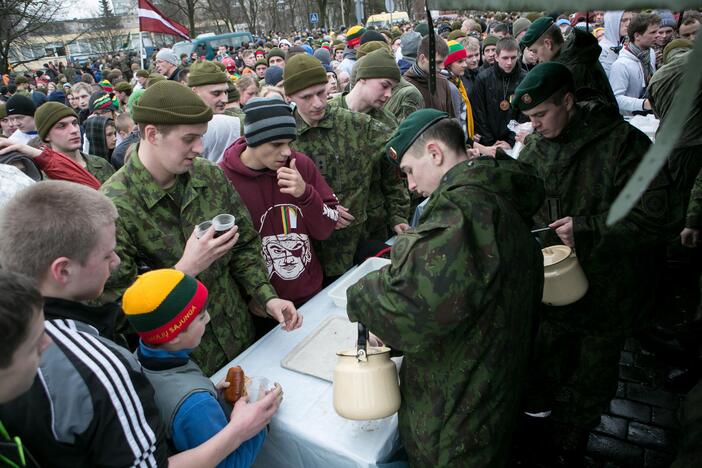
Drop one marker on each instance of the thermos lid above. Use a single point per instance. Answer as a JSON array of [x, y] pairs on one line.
[[555, 254]]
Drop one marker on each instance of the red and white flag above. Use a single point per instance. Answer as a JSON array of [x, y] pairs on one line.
[[152, 20]]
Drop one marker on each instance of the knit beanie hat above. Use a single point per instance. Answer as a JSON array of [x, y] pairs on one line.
[[378, 64], [21, 80], [123, 87], [3, 110], [276, 52], [369, 47], [274, 75], [167, 55], [154, 78], [161, 304], [38, 97], [22, 105], [142, 73], [134, 98], [522, 24], [372, 36], [170, 103], [268, 119], [456, 52], [307, 48], [301, 72], [667, 19], [206, 73], [409, 43], [422, 28], [353, 35], [323, 56], [106, 86], [454, 35], [57, 96], [232, 92], [261, 62], [48, 114], [103, 100], [490, 41]]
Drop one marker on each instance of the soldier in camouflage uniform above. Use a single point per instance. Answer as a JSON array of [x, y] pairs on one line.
[[346, 147], [405, 99], [459, 296], [585, 153], [161, 193]]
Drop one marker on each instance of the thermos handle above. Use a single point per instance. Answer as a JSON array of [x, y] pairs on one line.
[[362, 342]]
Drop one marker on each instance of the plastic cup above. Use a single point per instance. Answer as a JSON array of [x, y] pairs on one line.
[[223, 223], [202, 228]]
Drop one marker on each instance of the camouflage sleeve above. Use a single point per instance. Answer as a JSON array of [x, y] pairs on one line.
[[247, 265], [411, 101], [441, 274], [397, 200], [694, 209], [650, 220]]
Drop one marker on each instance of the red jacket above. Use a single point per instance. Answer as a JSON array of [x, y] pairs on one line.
[[286, 224]]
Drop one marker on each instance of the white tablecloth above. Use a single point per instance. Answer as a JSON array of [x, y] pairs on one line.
[[306, 431]]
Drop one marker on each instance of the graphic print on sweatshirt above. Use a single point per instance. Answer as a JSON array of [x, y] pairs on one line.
[[286, 254]]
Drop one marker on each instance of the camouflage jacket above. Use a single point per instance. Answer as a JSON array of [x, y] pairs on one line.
[[405, 99], [694, 208], [152, 230], [584, 169], [98, 167], [458, 299], [379, 212], [347, 148]]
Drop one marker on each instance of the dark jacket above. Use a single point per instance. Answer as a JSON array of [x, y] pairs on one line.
[[468, 78], [491, 88], [441, 99]]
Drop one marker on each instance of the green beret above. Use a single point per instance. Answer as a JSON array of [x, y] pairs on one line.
[[154, 78], [123, 87], [21, 80], [490, 41], [455, 35], [409, 130], [378, 64], [536, 30], [206, 73], [48, 114], [540, 84], [301, 72], [675, 44], [142, 73], [170, 103]]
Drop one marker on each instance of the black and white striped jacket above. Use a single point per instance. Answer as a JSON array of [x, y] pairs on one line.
[[90, 405]]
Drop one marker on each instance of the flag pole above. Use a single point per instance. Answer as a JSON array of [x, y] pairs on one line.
[[141, 48]]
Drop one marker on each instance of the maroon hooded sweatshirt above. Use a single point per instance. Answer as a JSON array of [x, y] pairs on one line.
[[286, 224]]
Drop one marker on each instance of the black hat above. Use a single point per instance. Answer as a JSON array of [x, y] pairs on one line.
[[268, 119], [20, 105]]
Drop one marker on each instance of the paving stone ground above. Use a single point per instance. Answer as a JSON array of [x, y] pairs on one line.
[[641, 428]]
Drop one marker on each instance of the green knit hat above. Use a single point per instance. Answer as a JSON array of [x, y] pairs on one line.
[[261, 61], [536, 30], [301, 72], [3, 110], [369, 47], [540, 84], [48, 114], [490, 41], [123, 87], [142, 73], [154, 78], [409, 130], [521, 24], [275, 52], [455, 35], [206, 73], [21, 80], [170, 103], [422, 28], [378, 64], [232, 92]]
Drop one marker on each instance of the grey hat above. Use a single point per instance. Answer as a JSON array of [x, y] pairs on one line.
[[167, 55], [268, 119], [409, 43], [323, 55], [274, 75]]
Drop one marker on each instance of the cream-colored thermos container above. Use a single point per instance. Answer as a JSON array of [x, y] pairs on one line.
[[564, 279]]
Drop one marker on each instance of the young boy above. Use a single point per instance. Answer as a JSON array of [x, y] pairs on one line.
[[168, 310]]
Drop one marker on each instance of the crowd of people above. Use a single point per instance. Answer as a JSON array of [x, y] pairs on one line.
[[122, 291]]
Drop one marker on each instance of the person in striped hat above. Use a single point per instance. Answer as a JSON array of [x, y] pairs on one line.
[[353, 41], [168, 310], [290, 202], [455, 65]]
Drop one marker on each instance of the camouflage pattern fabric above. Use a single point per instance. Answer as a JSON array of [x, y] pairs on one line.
[[347, 148], [405, 99], [239, 114], [152, 230], [584, 169], [458, 300], [377, 223], [98, 167]]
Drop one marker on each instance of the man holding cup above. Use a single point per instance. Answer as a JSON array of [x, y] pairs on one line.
[[161, 193]]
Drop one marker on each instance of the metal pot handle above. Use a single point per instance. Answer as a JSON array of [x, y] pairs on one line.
[[362, 343]]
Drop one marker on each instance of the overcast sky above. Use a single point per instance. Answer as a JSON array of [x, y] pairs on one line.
[[82, 8]]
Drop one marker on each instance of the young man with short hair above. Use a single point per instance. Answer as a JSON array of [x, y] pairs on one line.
[[290, 203], [82, 92], [472, 334], [580, 53], [20, 111], [635, 65], [489, 52], [346, 148], [494, 88], [260, 69], [162, 192], [418, 75], [690, 25], [276, 57]]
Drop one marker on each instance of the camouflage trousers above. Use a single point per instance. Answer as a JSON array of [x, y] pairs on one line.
[[573, 374]]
